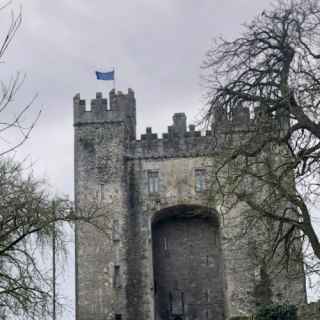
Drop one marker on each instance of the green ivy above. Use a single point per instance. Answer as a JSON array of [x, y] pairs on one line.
[[277, 312]]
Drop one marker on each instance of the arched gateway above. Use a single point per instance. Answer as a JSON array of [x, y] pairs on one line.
[[187, 264]]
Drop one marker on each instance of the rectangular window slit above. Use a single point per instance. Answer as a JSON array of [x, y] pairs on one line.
[[118, 316], [116, 277], [153, 181], [100, 192], [165, 244], [208, 295], [115, 230], [200, 175]]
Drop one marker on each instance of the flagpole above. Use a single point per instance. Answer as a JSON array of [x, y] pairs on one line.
[[114, 80], [54, 264]]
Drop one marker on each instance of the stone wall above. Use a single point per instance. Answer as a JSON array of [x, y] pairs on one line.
[[309, 311], [102, 135]]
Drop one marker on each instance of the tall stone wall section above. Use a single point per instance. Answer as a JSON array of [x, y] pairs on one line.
[[114, 268], [102, 135]]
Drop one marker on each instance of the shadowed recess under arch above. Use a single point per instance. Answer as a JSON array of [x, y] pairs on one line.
[[187, 263], [186, 212]]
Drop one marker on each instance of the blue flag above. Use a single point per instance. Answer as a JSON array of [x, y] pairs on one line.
[[105, 75]]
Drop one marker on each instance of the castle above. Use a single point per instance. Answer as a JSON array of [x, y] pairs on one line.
[[159, 250]]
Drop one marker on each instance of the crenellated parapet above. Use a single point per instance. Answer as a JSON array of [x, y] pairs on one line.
[[241, 118], [120, 107], [179, 141]]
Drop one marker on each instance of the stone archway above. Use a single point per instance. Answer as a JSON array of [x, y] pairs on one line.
[[187, 264]]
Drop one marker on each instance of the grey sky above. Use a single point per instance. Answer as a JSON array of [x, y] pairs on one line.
[[156, 47]]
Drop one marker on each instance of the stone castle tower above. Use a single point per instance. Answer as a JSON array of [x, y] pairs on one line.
[[158, 250]]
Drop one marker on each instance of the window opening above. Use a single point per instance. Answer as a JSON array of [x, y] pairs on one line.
[[165, 244], [116, 277], [170, 301], [208, 295], [115, 229], [155, 287], [100, 192], [176, 300], [200, 175], [153, 181], [118, 316]]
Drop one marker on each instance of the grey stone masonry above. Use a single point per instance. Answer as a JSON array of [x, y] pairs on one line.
[[309, 311], [158, 248]]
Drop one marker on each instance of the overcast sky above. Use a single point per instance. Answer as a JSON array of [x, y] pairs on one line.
[[155, 46]]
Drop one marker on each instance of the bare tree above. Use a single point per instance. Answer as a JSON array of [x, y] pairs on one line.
[[273, 71], [29, 215], [12, 123]]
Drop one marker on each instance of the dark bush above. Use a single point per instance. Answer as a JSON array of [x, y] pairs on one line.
[[277, 312]]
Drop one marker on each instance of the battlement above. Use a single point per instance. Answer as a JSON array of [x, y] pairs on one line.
[[241, 119], [179, 141], [120, 107], [177, 130]]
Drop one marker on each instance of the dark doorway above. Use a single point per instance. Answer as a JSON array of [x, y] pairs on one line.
[[187, 267]]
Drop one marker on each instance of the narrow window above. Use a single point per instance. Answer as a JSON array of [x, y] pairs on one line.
[[170, 301], [207, 293], [257, 273], [115, 230], [200, 175], [116, 277], [118, 316], [155, 287], [100, 193], [215, 239], [165, 244], [176, 300], [153, 181]]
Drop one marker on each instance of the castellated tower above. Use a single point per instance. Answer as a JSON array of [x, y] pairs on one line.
[[102, 139], [158, 249]]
